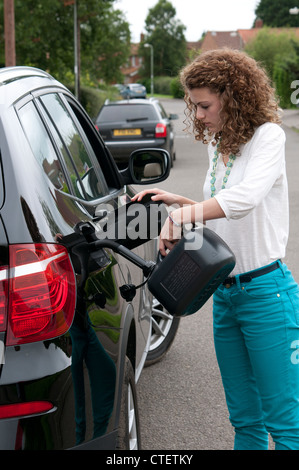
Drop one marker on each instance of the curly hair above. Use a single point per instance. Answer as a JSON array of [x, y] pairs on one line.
[[247, 97]]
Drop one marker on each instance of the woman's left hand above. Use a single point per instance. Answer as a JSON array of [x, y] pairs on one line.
[[169, 236]]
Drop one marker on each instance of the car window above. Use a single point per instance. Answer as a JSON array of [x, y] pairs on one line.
[[41, 146], [80, 161], [127, 112], [162, 110]]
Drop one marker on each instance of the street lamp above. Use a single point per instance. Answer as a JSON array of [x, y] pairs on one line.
[[294, 11], [152, 67], [76, 48]]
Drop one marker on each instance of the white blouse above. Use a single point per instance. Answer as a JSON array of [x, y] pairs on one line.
[[255, 200]]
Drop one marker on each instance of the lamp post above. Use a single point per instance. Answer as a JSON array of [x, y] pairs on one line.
[[152, 67], [294, 11], [76, 45], [76, 49]]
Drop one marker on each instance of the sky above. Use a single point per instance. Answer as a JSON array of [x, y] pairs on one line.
[[197, 15]]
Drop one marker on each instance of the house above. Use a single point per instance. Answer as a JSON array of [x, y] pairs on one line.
[[237, 39], [211, 40], [220, 39], [131, 69]]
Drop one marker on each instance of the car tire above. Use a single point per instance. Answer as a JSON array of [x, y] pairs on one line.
[[164, 330], [129, 427]]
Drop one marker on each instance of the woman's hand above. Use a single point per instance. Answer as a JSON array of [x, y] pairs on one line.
[[169, 236], [170, 199], [159, 195]]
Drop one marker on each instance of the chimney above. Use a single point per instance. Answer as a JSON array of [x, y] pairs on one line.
[[258, 23]]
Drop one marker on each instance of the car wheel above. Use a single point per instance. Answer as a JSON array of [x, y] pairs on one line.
[[129, 428], [164, 329]]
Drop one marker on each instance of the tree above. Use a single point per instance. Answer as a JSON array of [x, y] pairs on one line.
[[268, 45], [105, 40], [166, 34], [278, 52], [45, 37], [275, 13]]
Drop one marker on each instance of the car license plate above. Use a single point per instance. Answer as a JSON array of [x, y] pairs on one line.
[[126, 132]]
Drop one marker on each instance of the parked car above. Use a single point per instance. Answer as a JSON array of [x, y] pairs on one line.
[[133, 90], [121, 88], [73, 343], [129, 125]]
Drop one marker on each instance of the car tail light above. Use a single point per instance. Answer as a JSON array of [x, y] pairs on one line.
[[41, 292], [18, 410], [3, 296], [161, 130]]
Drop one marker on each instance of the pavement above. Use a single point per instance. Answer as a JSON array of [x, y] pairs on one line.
[[290, 118]]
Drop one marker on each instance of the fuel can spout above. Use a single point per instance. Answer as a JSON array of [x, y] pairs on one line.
[[146, 266]]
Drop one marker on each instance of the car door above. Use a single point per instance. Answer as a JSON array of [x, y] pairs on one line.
[[85, 162], [85, 178]]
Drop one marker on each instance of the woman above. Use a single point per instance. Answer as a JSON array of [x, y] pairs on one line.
[[233, 109]]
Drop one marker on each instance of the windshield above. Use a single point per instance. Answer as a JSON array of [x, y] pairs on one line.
[[127, 113]]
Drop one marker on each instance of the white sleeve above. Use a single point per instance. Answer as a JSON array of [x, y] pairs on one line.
[[265, 166]]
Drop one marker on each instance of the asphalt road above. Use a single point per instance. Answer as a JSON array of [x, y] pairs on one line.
[[181, 399]]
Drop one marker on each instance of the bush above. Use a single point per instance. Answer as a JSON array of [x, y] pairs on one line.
[[92, 99], [282, 84], [279, 53], [162, 85], [176, 88]]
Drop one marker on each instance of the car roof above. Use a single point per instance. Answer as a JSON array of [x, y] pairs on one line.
[[131, 101], [16, 82]]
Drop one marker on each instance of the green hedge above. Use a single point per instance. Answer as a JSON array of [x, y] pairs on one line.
[[92, 99], [176, 88], [165, 86]]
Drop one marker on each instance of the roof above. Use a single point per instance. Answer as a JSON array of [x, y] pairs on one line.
[[220, 39], [8, 74], [238, 39], [249, 34], [16, 82]]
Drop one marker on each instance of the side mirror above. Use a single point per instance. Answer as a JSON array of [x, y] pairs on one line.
[[147, 166]]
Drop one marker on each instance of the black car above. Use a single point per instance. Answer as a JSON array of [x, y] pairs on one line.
[[77, 322], [129, 125]]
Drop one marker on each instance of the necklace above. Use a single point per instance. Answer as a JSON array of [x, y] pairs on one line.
[[227, 173]]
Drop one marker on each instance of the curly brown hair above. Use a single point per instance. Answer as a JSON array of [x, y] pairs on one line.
[[246, 94]]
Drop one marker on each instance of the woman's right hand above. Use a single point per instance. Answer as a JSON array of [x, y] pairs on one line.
[[169, 199]]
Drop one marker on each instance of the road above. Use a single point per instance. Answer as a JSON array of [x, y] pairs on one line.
[[181, 399]]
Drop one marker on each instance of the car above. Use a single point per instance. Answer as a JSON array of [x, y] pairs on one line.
[[126, 126], [133, 90], [120, 88], [77, 321]]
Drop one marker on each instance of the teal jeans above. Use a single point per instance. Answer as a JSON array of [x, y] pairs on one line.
[[256, 334]]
